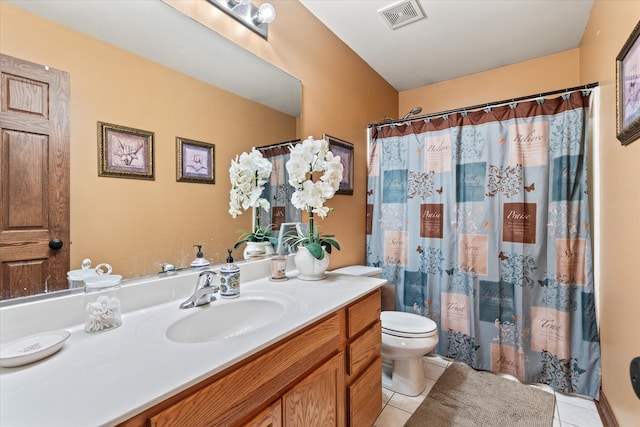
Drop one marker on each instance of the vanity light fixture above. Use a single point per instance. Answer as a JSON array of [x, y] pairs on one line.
[[257, 19]]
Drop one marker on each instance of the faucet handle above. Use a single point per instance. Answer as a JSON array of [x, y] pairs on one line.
[[166, 267], [207, 281]]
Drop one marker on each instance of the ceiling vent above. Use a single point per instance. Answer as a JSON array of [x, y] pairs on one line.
[[401, 13]]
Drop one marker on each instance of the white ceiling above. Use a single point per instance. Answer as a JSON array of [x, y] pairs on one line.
[[457, 38]]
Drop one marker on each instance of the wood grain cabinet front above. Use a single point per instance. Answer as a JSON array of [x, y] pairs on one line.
[[326, 375], [318, 400], [270, 417], [363, 361], [235, 395]]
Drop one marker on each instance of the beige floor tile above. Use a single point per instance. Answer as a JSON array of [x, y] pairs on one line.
[[386, 396], [392, 417], [578, 416], [406, 403], [583, 402], [432, 371], [429, 386], [436, 360]]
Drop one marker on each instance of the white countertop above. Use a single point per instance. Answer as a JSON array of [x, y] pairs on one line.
[[106, 378]]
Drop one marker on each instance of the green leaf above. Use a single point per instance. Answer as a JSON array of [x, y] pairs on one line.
[[315, 249]]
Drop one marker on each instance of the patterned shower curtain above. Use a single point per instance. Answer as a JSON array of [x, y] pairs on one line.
[[278, 191], [481, 220]]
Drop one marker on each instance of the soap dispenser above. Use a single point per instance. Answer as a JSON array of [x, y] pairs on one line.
[[200, 261], [229, 279]]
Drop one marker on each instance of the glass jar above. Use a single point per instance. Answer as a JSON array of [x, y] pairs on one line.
[[102, 303], [77, 277], [278, 268]]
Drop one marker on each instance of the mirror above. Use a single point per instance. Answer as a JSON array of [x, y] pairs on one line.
[[169, 75]]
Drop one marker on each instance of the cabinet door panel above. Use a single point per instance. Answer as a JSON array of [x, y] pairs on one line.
[[365, 396], [317, 401]]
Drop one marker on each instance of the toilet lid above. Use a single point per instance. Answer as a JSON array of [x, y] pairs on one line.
[[408, 325]]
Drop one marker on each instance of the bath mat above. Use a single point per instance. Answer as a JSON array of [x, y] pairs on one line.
[[464, 397]]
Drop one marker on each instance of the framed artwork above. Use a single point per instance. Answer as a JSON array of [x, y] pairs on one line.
[[343, 149], [628, 89], [195, 161], [125, 152]]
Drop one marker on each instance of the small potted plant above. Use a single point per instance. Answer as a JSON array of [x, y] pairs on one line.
[[309, 157], [249, 173]]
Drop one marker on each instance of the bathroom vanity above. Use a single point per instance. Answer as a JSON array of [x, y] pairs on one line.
[[314, 360]]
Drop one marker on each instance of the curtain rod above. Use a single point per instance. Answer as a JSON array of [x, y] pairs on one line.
[[280, 144], [486, 105]]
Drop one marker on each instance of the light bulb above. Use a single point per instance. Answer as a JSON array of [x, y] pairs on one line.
[[266, 14]]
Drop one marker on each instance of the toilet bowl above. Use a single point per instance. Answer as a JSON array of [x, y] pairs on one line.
[[406, 337]]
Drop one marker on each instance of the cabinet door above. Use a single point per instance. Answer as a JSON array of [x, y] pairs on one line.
[[365, 396], [270, 417], [318, 400]]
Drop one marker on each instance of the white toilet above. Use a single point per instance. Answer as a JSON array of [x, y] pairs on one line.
[[406, 337]]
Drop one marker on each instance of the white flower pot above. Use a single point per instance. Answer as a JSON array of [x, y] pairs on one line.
[[258, 249], [310, 268]]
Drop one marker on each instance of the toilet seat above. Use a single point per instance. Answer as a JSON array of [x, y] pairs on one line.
[[407, 325]]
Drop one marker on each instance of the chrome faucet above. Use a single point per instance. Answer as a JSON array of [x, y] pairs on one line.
[[205, 288], [167, 267]]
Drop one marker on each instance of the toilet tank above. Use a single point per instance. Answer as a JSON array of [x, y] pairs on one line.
[[359, 270]]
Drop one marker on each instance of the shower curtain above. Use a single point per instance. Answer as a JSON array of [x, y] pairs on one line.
[[278, 191], [481, 220]]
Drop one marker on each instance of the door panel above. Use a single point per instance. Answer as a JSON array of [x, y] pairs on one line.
[[34, 166]]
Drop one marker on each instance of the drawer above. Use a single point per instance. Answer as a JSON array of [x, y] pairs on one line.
[[362, 313], [365, 396], [364, 349]]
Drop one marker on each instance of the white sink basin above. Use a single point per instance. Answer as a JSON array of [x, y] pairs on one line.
[[220, 320], [216, 322]]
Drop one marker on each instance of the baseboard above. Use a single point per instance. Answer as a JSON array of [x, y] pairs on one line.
[[606, 414]]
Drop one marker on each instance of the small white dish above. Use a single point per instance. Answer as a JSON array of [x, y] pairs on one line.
[[32, 348]]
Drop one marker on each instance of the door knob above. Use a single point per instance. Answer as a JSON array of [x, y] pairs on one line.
[[55, 244]]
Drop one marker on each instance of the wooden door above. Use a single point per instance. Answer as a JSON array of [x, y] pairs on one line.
[[34, 171], [319, 400]]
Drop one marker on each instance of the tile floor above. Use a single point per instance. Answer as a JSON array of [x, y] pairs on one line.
[[570, 411]]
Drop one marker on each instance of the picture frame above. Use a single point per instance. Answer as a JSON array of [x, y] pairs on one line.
[[343, 149], [628, 89], [195, 161], [125, 152]]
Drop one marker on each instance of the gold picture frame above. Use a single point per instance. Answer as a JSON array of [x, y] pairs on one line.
[[195, 161], [343, 149], [628, 89], [125, 152]]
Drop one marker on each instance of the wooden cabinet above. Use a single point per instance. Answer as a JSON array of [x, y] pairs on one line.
[[328, 374], [364, 364], [365, 395], [318, 400], [270, 417]]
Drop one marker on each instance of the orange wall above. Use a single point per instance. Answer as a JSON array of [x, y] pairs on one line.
[[523, 79], [134, 224], [341, 94], [609, 26]]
